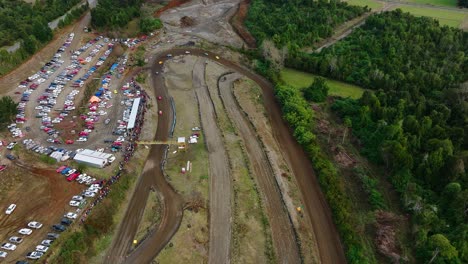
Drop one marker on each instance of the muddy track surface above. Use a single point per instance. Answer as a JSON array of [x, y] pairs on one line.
[[315, 205], [220, 177], [282, 232], [120, 251]]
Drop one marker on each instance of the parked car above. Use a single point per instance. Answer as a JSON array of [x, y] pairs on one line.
[[10, 209], [66, 221], [25, 231], [74, 203], [35, 225], [52, 236], [61, 168], [34, 255], [42, 248], [3, 254], [71, 215], [10, 157], [47, 242], [78, 198], [8, 246], [59, 228], [15, 239]]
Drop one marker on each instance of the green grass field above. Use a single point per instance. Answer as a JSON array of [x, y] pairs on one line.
[[450, 3], [300, 79], [374, 5], [445, 17]]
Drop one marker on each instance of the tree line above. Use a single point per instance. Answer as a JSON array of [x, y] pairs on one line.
[[20, 20], [414, 123], [114, 14], [463, 3], [298, 23]]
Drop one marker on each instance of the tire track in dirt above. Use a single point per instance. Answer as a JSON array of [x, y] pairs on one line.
[[282, 232], [220, 176]]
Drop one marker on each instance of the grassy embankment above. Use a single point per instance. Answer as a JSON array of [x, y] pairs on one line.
[[301, 80]]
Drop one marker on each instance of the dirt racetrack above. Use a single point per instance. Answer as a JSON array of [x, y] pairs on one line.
[[316, 208], [284, 238], [220, 177], [152, 176]]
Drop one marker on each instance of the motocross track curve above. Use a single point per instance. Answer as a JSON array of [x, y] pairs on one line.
[[152, 176], [315, 205]]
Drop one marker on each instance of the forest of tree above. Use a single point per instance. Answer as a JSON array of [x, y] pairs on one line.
[[114, 14], [415, 123], [298, 23], [20, 20]]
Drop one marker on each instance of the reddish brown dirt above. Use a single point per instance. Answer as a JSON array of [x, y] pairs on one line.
[[315, 205], [171, 4], [386, 238], [237, 22], [40, 195]]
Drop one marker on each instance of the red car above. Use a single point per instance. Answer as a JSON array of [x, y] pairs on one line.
[[2, 167], [69, 141], [160, 112], [73, 176], [60, 169], [159, 98]]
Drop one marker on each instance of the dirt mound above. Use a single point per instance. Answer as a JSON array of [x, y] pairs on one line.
[[385, 237], [187, 21], [237, 23]]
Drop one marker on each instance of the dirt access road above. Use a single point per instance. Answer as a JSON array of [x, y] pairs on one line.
[[152, 175], [284, 237], [220, 176], [315, 204]]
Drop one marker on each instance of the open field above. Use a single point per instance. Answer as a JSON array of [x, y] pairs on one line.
[[449, 3], [445, 17], [300, 79], [372, 4]]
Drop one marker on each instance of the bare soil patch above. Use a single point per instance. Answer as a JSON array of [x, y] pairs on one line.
[[237, 22]]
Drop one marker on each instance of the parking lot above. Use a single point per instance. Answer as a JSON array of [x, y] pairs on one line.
[[48, 123]]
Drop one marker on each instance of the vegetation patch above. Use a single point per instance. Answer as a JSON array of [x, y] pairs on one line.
[[297, 24], [449, 3], [301, 80], [445, 17], [414, 125]]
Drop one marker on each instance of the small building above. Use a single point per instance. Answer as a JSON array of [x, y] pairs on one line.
[[181, 145], [93, 158], [56, 155], [133, 113]]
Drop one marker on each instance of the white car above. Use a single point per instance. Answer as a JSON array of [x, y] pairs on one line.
[[3, 254], [25, 231], [34, 255], [8, 246], [35, 225], [89, 194], [15, 239], [47, 242], [74, 203], [71, 215], [111, 159], [77, 198], [93, 190], [42, 248], [70, 172], [10, 209], [90, 181], [82, 139], [95, 186]]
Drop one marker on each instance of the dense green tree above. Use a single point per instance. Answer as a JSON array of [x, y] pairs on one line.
[[7, 111], [317, 91]]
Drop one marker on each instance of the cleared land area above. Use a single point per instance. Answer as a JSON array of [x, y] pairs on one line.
[[445, 17], [450, 3], [300, 79]]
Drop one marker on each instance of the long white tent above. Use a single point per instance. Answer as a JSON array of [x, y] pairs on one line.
[[133, 113]]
